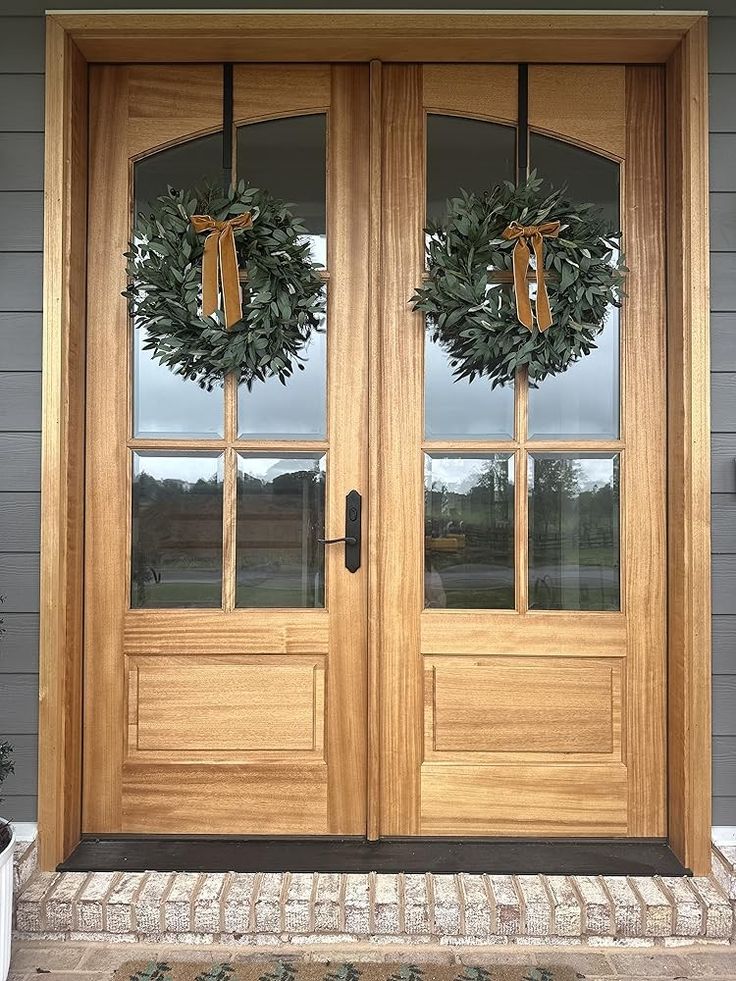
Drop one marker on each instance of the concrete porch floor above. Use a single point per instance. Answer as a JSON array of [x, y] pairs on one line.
[[69, 961]]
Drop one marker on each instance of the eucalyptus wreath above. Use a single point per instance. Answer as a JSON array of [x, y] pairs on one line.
[[283, 294], [467, 298]]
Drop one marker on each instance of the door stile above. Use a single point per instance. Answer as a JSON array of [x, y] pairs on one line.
[[400, 483], [373, 778], [644, 459], [347, 372]]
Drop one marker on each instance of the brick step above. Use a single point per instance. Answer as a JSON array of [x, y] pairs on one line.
[[324, 908]]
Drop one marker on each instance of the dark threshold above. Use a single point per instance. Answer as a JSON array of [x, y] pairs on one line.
[[580, 856]]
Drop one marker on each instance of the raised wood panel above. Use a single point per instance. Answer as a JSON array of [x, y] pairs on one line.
[[22, 157], [488, 91], [186, 708], [21, 456], [277, 90], [536, 634], [166, 799], [22, 221], [523, 706], [586, 102], [169, 103], [531, 799], [215, 632], [20, 643]]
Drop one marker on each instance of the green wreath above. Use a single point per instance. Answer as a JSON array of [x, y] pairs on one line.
[[472, 311], [283, 293]]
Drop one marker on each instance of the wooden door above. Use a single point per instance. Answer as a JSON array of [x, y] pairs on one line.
[[224, 679], [520, 535]]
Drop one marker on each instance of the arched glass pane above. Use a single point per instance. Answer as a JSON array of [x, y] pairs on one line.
[[473, 155], [583, 402], [288, 158], [164, 404]]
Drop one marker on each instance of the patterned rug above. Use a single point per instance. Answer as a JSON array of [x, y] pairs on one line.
[[292, 971]]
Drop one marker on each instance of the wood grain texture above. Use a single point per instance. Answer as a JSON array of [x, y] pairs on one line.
[[689, 598], [643, 531], [179, 660], [373, 523], [335, 36], [554, 634], [62, 467], [166, 799], [583, 104], [534, 799], [399, 545], [107, 460], [269, 91], [494, 706], [349, 215], [176, 706], [485, 91]]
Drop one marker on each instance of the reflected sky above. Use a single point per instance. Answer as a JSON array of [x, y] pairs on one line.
[[175, 466]]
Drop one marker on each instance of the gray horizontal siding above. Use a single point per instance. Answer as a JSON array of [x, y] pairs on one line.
[[20, 401], [21, 108], [25, 757], [21, 281], [22, 229], [19, 704], [20, 522], [21, 161], [20, 341], [20, 643], [20, 454]]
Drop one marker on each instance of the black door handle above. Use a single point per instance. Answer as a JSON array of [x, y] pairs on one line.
[[353, 508]]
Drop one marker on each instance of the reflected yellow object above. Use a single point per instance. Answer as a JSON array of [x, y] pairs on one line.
[[447, 543]]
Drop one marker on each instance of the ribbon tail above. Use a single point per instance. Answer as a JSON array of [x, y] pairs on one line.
[[520, 259], [544, 314], [231, 301], [209, 275]]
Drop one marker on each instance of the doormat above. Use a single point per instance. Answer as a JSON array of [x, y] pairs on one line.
[[327, 971]]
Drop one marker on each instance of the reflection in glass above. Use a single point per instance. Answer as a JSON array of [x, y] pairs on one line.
[[291, 411], [164, 404], [469, 531], [167, 405], [177, 530], [574, 532], [192, 163], [288, 158], [281, 514], [470, 154], [582, 402]]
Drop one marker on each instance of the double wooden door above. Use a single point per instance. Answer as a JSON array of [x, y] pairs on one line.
[[496, 664]]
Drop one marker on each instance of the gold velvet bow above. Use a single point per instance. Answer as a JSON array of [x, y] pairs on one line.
[[524, 234], [220, 264]]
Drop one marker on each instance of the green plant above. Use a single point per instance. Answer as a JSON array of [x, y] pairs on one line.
[[6, 750], [472, 314], [284, 297]]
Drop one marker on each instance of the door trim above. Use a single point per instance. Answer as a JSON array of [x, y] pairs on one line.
[[75, 40]]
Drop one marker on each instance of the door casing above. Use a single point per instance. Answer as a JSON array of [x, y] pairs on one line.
[[75, 40]]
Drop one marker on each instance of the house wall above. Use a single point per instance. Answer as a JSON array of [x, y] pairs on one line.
[[21, 184]]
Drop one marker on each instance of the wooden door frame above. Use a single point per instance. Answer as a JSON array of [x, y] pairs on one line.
[[74, 40]]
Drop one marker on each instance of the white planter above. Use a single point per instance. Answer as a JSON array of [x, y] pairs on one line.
[[6, 905]]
